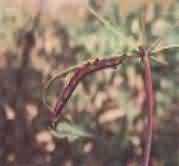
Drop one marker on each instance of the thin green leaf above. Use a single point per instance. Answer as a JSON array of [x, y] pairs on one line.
[[70, 131], [106, 23]]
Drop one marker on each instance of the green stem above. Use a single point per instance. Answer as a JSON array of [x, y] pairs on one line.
[[106, 23]]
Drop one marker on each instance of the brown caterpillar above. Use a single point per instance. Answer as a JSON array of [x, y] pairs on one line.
[[80, 73]]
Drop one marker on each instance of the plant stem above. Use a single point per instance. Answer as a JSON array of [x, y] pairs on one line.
[[145, 55]]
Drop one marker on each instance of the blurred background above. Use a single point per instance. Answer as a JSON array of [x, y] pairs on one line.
[[41, 37]]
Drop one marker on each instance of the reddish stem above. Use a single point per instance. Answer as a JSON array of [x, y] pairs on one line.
[[145, 55]]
